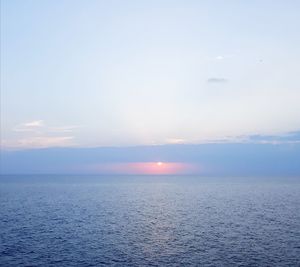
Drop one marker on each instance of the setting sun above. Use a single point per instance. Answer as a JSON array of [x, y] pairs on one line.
[[144, 168]]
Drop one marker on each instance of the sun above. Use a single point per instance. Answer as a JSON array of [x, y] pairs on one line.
[[159, 163]]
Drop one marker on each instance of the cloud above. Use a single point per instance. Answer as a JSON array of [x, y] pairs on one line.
[[216, 159], [37, 123], [38, 142], [31, 126], [45, 141], [217, 80], [175, 141], [36, 134], [63, 129], [288, 138], [222, 57]]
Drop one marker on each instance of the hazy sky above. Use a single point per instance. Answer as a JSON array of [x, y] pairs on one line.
[[111, 73]]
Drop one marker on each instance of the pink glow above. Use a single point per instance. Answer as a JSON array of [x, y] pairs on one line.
[[150, 168]]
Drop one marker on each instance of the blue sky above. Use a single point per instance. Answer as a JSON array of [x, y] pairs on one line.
[[119, 73]]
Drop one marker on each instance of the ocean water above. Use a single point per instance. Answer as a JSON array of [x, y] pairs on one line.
[[149, 221]]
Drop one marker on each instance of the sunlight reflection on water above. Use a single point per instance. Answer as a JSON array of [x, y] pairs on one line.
[[157, 221]]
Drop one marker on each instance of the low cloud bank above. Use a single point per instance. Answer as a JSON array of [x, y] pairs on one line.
[[222, 159]]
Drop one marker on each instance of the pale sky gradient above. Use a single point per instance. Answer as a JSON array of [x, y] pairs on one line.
[[114, 73]]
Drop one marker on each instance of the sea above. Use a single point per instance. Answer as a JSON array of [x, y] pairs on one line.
[[77, 220]]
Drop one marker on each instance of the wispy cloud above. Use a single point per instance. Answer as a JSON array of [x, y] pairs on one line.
[[288, 138], [37, 134], [40, 125], [175, 141], [222, 57], [31, 126], [217, 80], [45, 141], [63, 129], [37, 123], [38, 142], [284, 138]]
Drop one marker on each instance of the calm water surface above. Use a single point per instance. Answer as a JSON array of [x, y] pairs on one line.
[[149, 221]]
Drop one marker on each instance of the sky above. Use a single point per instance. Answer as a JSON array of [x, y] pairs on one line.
[[113, 73], [87, 74]]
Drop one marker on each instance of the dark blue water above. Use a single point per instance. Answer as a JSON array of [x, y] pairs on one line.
[[149, 221]]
